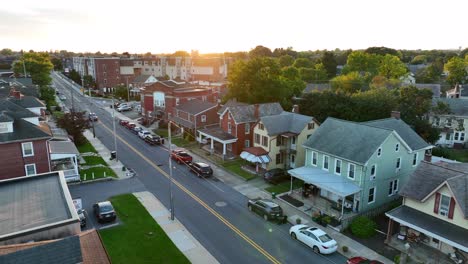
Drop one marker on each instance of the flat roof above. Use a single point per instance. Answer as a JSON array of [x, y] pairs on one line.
[[33, 202]]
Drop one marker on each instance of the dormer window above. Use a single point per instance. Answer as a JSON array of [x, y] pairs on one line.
[[311, 126], [261, 126]]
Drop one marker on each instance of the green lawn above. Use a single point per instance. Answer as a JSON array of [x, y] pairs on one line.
[[139, 239], [94, 160], [284, 186], [161, 132], [235, 167], [98, 173], [86, 147], [453, 154]]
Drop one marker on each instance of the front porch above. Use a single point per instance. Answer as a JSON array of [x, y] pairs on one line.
[[63, 157], [219, 141]]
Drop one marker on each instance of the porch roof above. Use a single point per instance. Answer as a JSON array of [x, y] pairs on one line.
[[63, 147], [218, 134], [325, 180], [437, 228], [255, 154]]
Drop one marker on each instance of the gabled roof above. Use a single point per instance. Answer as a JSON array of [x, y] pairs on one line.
[[142, 78], [15, 110], [246, 113], [229, 103], [457, 106], [414, 141], [285, 122], [22, 129], [4, 117], [27, 101], [428, 177], [195, 106], [349, 140]]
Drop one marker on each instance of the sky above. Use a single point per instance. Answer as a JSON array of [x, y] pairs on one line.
[[159, 26]]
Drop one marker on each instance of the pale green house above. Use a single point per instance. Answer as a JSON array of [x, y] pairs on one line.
[[364, 164]]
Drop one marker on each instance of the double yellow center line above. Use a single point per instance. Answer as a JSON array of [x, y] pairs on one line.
[[201, 202]]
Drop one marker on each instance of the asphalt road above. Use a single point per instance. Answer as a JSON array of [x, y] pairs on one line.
[[213, 212]]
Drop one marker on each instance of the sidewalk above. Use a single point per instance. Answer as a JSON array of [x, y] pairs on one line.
[[179, 235]]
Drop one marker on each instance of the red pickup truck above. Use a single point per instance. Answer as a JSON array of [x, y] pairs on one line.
[[181, 156]]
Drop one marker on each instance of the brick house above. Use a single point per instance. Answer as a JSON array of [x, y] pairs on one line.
[[23, 142], [195, 114], [236, 125]]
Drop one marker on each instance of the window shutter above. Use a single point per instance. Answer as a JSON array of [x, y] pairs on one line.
[[436, 203], [451, 208]]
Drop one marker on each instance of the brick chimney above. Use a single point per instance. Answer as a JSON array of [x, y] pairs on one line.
[[395, 114], [295, 109], [15, 94], [428, 155], [256, 112]]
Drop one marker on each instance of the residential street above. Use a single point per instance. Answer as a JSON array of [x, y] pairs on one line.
[[212, 211]]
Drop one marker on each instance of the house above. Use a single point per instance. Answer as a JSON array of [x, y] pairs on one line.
[[363, 164], [435, 207], [236, 126], [282, 137], [30, 103], [434, 87], [459, 91], [408, 79], [141, 81], [453, 125], [35, 208], [195, 114], [23, 141]]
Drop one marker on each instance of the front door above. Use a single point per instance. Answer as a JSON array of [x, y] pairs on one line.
[[292, 162]]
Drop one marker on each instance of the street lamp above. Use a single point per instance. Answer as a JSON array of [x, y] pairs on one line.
[[128, 90], [170, 170], [113, 126]]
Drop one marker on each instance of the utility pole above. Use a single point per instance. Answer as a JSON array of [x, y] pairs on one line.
[[113, 126], [170, 170], [128, 90]]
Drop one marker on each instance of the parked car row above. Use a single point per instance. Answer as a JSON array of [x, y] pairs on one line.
[[142, 133]]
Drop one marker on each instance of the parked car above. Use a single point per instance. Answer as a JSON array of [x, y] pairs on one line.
[[62, 97], [138, 109], [143, 133], [104, 211], [267, 209], [124, 108], [136, 130], [130, 172], [81, 214], [315, 238], [181, 156], [276, 176], [154, 140], [362, 260], [123, 122], [200, 169], [130, 125], [92, 117]]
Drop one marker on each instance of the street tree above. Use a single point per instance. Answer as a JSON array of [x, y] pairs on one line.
[[57, 62], [329, 62], [120, 92], [457, 68], [75, 123], [391, 67], [6, 52], [37, 65]]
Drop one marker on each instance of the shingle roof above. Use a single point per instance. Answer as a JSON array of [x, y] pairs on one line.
[[4, 117], [457, 106], [62, 251], [285, 122], [434, 87], [428, 176], [15, 110], [229, 103], [141, 78], [246, 113], [414, 141], [346, 139], [27, 101], [195, 106]]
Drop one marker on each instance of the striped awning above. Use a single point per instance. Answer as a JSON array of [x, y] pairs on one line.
[[255, 158]]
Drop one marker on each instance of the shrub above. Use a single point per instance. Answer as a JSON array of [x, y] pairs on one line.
[[363, 227], [345, 249], [396, 259], [298, 221]]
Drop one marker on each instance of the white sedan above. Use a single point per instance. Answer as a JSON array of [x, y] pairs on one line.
[[315, 238], [143, 133]]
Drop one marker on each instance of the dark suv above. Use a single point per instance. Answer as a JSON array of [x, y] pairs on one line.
[[201, 169], [276, 176], [266, 208], [154, 140], [104, 212]]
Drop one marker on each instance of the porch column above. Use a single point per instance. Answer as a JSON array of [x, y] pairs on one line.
[[389, 231], [75, 163], [224, 149], [342, 206], [290, 190], [212, 146], [200, 137]]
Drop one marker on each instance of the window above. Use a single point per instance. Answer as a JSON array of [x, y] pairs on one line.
[[314, 158], [325, 162], [293, 140], [28, 149], [247, 128], [229, 127], [447, 136], [456, 136], [448, 122], [257, 138], [351, 169], [371, 198], [337, 166], [261, 126], [229, 116], [203, 118], [279, 141], [264, 141], [444, 205], [247, 143], [398, 163], [30, 169], [415, 159], [379, 152], [393, 187], [177, 101], [373, 171], [462, 136], [279, 158], [397, 147], [310, 125], [293, 158]]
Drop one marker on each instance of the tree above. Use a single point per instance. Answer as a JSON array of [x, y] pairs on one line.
[[57, 62], [6, 52], [181, 53], [317, 74], [456, 67], [74, 123], [361, 62], [278, 52], [322, 105], [121, 92], [89, 81], [37, 65], [349, 83], [260, 51], [382, 51], [329, 62], [414, 103], [419, 59], [373, 104], [303, 63], [286, 60], [75, 76], [391, 67]]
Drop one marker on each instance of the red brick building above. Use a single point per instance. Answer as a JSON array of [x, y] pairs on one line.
[[106, 72], [195, 114]]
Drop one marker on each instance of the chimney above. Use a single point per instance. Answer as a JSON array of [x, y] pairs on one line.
[[395, 114], [295, 109], [15, 94], [428, 156], [256, 112]]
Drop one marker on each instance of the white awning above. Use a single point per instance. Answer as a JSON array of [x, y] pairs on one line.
[[325, 180], [257, 159]]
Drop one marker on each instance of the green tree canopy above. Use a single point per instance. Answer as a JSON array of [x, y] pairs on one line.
[[361, 62], [349, 83], [286, 60], [317, 74], [37, 65], [57, 62], [391, 67], [74, 123], [121, 92], [382, 51], [329, 62], [260, 51], [457, 68], [303, 63]]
